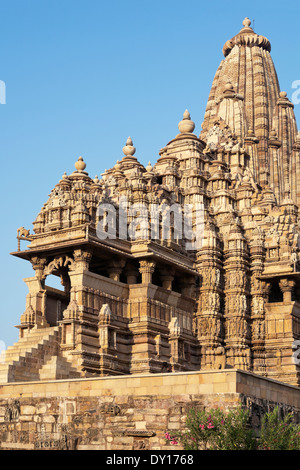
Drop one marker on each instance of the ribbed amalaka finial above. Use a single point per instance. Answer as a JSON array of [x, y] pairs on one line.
[[248, 38], [129, 149], [80, 165], [186, 125]]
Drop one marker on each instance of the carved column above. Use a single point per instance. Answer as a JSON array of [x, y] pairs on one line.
[[147, 269], [237, 327], [259, 295], [131, 272], [209, 315], [115, 269], [286, 287], [38, 265], [187, 284], [80, 336], [82, 258], [176, 344], [167, 277], [35, 313], [108, 341]]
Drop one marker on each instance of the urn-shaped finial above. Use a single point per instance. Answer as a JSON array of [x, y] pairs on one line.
[[80, 165], [129, 149], [186, 125]]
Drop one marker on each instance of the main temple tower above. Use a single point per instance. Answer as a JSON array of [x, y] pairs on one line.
[[245, 93], [141, 293]]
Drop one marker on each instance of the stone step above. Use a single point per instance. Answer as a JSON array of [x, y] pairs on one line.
[[35, 333], [26, 344], [25, 359], [58, 367]]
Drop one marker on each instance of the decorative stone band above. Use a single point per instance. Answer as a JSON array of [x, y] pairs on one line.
[[249, 39]]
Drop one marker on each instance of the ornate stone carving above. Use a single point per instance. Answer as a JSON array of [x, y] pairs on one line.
[[190, 297]]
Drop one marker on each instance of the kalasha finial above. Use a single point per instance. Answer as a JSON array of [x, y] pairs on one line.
[[80, 165], [246, 22], [129, 149], [149, 167], [186, 125]]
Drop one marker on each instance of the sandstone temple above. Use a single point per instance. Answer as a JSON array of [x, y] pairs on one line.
[[134, 301]]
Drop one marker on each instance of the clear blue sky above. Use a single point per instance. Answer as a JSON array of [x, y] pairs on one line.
[[83, 75]]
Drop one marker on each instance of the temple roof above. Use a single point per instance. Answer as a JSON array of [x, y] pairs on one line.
[[245, 93], [247, 37]]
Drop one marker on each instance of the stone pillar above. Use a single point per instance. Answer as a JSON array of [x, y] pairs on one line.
[[131, 273], [208, 316], [259, 295], [108, 341], [237, 319], [167, 277], [80, 336], [286, 287], [38, 265], [187, 284], [115, 269], [176, 344], [35, 313], [147, 269], [82, 258]]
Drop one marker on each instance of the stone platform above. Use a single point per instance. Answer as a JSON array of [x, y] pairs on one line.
[[130, 412]]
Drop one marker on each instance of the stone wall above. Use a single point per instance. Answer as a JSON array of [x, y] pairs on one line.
[[127, 412]]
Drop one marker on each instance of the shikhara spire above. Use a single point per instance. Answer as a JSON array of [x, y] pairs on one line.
[[253, 105]]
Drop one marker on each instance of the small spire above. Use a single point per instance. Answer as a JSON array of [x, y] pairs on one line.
[[273, 133], [96, 180], [284, 100], [118, 170], [129, 149], [64, 179], [149, 167], [118, 166], [186, 125], [80, 165], [186, 115]]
